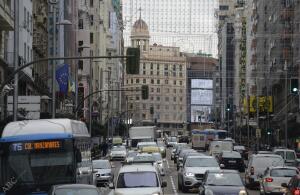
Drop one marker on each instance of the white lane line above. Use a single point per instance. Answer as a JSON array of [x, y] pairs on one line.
[[173, 185], [168, 164]]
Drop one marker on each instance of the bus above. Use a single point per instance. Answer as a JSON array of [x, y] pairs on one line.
[[36, 154], [202, 138]]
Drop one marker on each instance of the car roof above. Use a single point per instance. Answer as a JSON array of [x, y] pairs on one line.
[[138, 168], [101, 160], [223, 171], [203, 156], [283, 167], [265, 155], [75, 186], [146, 143], [283, 149]]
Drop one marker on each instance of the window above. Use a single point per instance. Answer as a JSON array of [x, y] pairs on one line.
[[180, 99], [166, 66], [152, 89], [174, 90], [223, 7], [151, 66], [158, 81], [91, 38], [152, 81], [80, 43], [158, 98], [131, 81], [91, 3], [80, 24], [144, 81], [180, 74], [174, 99], [167, 90], [144, 65], [174, 74], [157, 73], [174, 67], [157, 66], [144, 106], [144, 116], [151, 73], [92, 20], [80, 65], [166, 74], [151, 98], [166, 99], [180, 82], [144, 72], [174, 82], [158, 90], [167, 107], [180, 90], [157, 107], [166, 82], [137, 80], [137, 97]]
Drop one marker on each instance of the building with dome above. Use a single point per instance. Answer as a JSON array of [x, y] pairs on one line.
[[163, 69]]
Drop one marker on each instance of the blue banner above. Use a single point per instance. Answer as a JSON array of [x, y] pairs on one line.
[[62, 77]]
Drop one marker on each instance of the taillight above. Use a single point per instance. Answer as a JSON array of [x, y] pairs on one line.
[[270, 180], [297, 192], [252, 170]]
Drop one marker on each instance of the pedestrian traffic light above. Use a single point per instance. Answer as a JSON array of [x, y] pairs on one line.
[[133, 60], [228, 108], [294, 86], [145, 92], [151, 110]]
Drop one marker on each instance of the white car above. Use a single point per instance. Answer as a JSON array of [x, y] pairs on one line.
[[138, 179], [159, 163], [140, 145], [192, 171], [118, 153], [273, 177]]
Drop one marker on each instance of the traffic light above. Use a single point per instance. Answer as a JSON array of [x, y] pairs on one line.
[[294, 86], [151, 110], [228, 108], [133, 62], [145, 92]]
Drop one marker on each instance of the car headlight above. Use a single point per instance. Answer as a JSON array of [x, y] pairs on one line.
[[208, 192], [243, 192], [97, 175], [156, 193], [189, 174]]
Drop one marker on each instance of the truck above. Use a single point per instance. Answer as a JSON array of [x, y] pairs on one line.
[[142, 134]]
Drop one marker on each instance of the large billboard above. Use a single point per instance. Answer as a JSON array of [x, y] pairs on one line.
[[202, 83], [203, 97], [201, 114]]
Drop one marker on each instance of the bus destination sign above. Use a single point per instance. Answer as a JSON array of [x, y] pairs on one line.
[[36, 146]]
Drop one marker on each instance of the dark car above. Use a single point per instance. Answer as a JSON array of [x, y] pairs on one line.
[[184, 139], [222, 182], [231, 160], [293, 187], [177, 151], [242, 150], [182, 153]]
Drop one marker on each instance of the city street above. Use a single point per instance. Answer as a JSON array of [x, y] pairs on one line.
[[170, 177]]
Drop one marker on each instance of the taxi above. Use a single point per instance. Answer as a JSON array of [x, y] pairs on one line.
[[150, 149]]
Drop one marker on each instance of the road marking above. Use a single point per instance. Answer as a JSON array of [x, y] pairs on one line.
[[173, 185], [168, 164]]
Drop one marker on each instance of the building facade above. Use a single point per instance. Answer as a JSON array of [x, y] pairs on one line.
[[188, 24], [163, 69]]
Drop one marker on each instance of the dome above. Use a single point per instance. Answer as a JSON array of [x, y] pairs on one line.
[[140, 28]]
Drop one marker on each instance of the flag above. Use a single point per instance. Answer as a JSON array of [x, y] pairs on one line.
[[62, 77]]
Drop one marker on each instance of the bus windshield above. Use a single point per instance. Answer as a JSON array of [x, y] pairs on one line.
[[41, 167]]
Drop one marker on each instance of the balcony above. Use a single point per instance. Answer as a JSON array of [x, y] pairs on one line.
[[6, 16]]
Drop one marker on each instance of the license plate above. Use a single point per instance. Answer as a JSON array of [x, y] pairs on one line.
[[232, 161]]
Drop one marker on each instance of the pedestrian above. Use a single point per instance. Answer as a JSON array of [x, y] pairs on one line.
[[104, 148]]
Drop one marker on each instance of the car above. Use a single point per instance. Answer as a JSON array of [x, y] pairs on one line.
[[191, 173], [179, 145], [289, 156], [292, 187], [159, 163], [178, 150], [242, 150], [182, 153], [217, 146], [222, 182], [103, 173], [273, 177], [264, 152], [138, 179], [231, 160], [162, 149], [67, 189], [257, 164], [150, 149], [140, 145], [118, 153], [191, 154], [130, 155], [184, 139], [171, 141]]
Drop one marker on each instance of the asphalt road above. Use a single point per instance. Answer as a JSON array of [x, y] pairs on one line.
[[170, 177]]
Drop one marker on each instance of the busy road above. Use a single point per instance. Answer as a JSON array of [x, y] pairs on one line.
[[171, 177]]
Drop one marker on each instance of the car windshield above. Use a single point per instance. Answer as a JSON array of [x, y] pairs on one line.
[[283, 172], [132, 154], [231, 155], [172, 139], [290, 155], [139, 158], [266, 161], [137, 180], [222, 146], [281, 153], [224, 179], [76, 191], [157, 156], [239, 147], [118, 149], [201, 162], [101, 164], [183, 152]]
